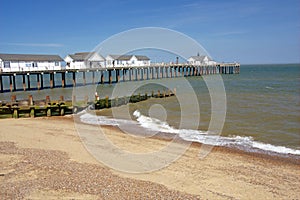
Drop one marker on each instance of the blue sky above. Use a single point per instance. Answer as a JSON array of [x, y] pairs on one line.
[[257, 31]]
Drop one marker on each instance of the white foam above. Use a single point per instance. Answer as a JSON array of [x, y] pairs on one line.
[[203, 137], [92, 119]]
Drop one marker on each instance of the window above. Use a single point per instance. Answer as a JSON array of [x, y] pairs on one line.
[[56, 63], [6, 64], [28, 65]]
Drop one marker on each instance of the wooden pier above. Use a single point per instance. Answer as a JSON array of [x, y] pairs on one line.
[[37, 80]]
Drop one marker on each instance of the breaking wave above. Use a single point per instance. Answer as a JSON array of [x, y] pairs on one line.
[[241, 142]]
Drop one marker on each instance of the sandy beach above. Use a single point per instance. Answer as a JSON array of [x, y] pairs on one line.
[[44, 158]]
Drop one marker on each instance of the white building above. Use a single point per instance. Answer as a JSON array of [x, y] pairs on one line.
[[84, 60], [138, 60], [201, 60], [127, 60], [29, 62]]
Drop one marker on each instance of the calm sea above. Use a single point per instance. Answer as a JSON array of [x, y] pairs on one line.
[[262, 108]]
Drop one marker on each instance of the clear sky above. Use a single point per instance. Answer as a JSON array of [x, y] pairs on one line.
[[253, 31]]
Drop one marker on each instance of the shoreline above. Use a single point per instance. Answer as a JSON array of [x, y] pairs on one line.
[[224, 173]]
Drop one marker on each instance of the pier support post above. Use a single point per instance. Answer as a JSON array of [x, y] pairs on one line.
[[142, 74], [1, 84], [74, 79], [10, 83], [102, 77], [51, 80], [63, 79], [93, 77], [38, 81], [42, 81], [117, 75], [83, 76], [130, 73], [109, 76], [123, 74], [14, 82], [28, 81], [24, 82]]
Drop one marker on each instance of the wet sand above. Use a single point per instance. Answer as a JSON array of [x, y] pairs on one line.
[[45, 158]]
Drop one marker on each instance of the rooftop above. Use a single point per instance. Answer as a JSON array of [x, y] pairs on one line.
[[29, 57]]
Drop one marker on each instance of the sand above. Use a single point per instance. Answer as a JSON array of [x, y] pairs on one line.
[[44, 158]]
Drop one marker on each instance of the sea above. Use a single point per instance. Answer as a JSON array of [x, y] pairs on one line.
[[260, 107]]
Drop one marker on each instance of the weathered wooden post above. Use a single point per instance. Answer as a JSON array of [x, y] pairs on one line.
[[48, 100], [13, 98], [158, 93], [32, 112], [30, 100], [15, 112], [62, 110], [61, 98], [96, 97], [49, 111]]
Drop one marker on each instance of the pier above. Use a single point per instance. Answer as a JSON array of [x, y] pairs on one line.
[[38, 80]]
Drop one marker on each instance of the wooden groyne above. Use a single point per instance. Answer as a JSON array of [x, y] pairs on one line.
[[38, 80], [46, 107]]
